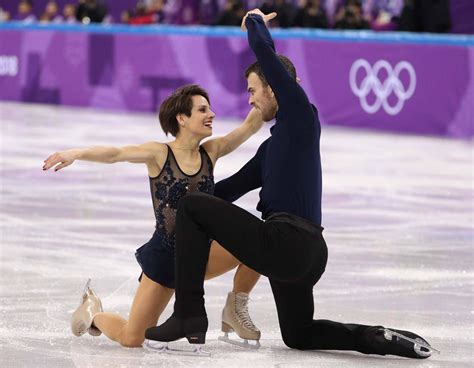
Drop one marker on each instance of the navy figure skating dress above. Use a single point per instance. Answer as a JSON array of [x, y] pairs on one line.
[[156, 257]]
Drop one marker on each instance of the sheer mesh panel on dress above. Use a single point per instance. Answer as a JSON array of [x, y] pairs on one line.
[[170, 186]]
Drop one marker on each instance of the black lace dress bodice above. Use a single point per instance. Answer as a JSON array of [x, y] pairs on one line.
[[170, 186]]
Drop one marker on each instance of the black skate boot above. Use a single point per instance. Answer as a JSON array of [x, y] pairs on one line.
[[193, 329], [388, 341]]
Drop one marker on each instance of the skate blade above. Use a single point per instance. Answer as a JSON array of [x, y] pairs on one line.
[[418, 344], [84, 291], [165, 349], [243, 344]]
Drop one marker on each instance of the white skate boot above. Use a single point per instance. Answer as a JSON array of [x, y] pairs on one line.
[[81, 320], [235, 318]]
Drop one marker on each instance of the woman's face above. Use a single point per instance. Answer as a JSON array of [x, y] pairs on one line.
[[200, 121]]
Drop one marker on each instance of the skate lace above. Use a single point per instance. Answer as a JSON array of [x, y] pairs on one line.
[[242, 312]]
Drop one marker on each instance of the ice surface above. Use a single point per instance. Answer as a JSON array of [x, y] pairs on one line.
[[398, 218]]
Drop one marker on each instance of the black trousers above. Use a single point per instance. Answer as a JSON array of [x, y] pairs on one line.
[[289, 250]]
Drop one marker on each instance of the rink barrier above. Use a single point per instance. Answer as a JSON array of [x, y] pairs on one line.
[[402, 82]]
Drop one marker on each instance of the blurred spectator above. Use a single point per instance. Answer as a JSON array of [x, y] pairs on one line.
[[51, 13], [25, 12], [332, 7], [351, 17], [126, 15], [208, 11], [182, 11], [4, 15], [69, 13], [232, 14], [407, 18], [311, 15], [425, 16], [285, 10], [383, 15], [143, 14], [90, 11]]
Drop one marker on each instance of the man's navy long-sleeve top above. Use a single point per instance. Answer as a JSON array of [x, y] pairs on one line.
[[287, 166]]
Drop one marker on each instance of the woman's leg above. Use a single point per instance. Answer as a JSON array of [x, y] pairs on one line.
[[149, 302], [245, 279], [221, 261]]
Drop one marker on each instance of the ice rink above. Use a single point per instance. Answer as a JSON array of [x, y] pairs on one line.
[[398, 218]]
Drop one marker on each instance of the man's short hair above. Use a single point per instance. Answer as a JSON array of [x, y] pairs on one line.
[[179, 102], [257, 69]]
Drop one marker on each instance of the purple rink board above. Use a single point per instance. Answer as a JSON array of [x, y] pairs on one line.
[[395, 84]]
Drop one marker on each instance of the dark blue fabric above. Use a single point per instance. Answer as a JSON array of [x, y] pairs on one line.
[[287, 166], [157, 262], [157, 256]]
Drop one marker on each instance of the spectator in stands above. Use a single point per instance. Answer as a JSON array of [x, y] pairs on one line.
[[126, 15], [69, 13], [144, 14], [351, 17], [208, 11], [4, 15], [332, 7], [285, 10], [91, 11], [425, 16], [407, 17], [232, 14], [383, 15], [311, 15], [51, 13], [25, 12]]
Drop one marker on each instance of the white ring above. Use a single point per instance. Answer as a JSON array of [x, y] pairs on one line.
[[382, 90]]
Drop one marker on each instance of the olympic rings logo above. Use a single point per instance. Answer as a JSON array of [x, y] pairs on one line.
[[382, 90]]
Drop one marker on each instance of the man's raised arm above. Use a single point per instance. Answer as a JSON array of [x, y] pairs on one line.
[[288, 93]]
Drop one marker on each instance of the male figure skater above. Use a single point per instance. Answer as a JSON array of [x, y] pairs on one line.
[[288, 246]]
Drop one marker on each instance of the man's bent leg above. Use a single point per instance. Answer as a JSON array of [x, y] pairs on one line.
[[199, 218], [295, 308]]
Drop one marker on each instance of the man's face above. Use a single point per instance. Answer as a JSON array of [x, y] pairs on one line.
[[261, 97]]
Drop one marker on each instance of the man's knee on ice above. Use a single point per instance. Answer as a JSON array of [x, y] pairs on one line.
[[295, 339]]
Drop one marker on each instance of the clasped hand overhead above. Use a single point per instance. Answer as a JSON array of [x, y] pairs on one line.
[[266, 17]]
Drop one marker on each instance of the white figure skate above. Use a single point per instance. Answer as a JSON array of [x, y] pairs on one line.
[[89, 306], [236, 318]]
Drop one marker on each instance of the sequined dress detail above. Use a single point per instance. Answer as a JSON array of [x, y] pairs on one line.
[[169, 187]]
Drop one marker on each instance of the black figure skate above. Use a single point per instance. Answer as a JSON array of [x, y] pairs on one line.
[[193, 329], [388, 341]]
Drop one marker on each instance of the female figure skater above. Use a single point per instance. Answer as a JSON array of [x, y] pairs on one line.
[[174, 169]]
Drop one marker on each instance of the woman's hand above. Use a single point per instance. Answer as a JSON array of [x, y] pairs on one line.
[[64, 158]]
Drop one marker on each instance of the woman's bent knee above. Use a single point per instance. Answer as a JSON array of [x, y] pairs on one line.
[[132, 341]]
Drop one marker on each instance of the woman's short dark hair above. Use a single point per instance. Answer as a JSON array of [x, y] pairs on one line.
[[257, 69], [179, 102]]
